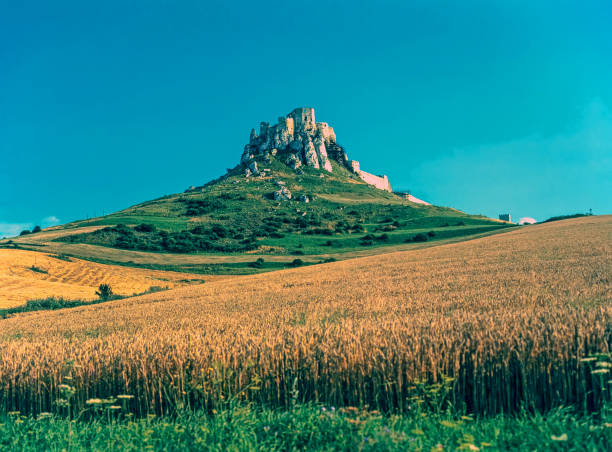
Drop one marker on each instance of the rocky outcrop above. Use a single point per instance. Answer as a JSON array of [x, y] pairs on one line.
[[307, 143], [320, 150], [297, 133], [282, 194], [293, 161], [251, 169]]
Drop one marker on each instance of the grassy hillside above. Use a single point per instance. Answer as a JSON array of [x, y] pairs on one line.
[[501, 322], [238, 217]]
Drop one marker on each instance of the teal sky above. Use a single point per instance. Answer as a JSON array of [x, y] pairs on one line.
[[485, 106]]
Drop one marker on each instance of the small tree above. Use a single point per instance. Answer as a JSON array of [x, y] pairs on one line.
[[104, 291], [36, 229], [259, 263]]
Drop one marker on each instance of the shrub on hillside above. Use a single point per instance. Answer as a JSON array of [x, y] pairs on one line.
[[219, 230], [197, 207], [104, 292], [126, 242], [36, 269], [36, 229], [259, 263], [199, 230], [144, 227], [25, 232], [357, 228]]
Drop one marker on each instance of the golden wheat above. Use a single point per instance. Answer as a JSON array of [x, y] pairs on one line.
[[508, 316], [23, 277]]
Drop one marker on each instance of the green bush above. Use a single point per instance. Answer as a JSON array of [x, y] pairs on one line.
[[144, 227], [104, 292], [38, 269], [259, 263]]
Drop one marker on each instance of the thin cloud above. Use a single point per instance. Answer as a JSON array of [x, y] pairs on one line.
[[50, 221], [13, 229]]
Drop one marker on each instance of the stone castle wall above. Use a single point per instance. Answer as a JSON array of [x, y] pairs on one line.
[[380, 182], [409, 197], [308, 142]]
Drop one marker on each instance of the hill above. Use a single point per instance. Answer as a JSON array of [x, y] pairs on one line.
[[295, 193], [508, 318]]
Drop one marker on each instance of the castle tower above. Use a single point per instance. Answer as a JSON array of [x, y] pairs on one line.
[[304, 119]]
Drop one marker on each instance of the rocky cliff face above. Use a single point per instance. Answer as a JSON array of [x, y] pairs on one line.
[[306, 140], [303, 141]]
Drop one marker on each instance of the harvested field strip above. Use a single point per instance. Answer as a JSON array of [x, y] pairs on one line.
[[74, 278]]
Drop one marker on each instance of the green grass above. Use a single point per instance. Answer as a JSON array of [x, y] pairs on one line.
[[340, 202], [167, 223], [307, 427], [226, 268]]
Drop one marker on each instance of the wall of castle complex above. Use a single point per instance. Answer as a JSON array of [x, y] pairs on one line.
[[326, 131], [380, 182], [304, 118], [310, 143], [286, 123], [409, 197]]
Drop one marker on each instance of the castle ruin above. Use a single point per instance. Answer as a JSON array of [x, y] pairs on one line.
[[308, 142]]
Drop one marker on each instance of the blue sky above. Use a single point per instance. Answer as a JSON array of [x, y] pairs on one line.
[[486, 106]]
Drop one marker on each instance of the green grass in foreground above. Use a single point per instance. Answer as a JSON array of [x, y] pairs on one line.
[[309, 427]]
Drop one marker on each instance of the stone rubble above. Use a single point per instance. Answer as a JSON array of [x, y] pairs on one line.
[[282, 194]]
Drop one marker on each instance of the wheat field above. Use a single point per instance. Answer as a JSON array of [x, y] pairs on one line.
[[508, 317], [27, 275]]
